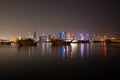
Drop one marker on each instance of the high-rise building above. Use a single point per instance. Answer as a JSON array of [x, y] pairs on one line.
[[68, 36], [62, 35], [34, 36]]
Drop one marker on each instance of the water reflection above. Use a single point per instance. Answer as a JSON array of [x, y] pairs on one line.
[[43, 48], [105, 50], [48, 48], [63, 52], [82, 50], [31, 50], [88, 46], [74, 50], [83, 57], [57, 56], [26, 51], [66, 51]]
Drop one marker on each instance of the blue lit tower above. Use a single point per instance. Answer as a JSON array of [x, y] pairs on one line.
[[62, 35], [59, 36]]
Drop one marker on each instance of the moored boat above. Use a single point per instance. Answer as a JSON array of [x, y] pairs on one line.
[[26, 42], [5, 43], [112, 40]]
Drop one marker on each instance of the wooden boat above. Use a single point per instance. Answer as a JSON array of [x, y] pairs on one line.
[[112, 40], [5, 43], [60, 42], [26, 42]]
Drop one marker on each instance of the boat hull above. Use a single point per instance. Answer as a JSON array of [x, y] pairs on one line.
[[113, 41], [26, 42]]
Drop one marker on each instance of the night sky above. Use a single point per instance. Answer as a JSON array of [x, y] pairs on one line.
[[19, 17]]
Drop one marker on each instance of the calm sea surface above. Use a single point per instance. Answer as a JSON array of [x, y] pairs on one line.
[[71, 61]]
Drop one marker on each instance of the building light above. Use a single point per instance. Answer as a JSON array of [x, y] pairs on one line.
[[19, 37]]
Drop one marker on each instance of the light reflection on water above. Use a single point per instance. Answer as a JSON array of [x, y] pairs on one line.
[[63, 51], [105, 49], [74, 50], [82, 51], [44, 58]]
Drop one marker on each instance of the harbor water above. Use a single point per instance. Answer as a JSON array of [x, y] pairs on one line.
[[76, 60]]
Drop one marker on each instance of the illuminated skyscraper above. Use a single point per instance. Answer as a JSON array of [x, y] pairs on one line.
[[62, 35], [34, 36], [68, 36]]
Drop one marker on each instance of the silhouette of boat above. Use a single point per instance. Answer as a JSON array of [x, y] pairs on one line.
[[112, 40], [26, 42], [5, 42]]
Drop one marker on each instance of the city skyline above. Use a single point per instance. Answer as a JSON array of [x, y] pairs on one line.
[[19, 17]]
